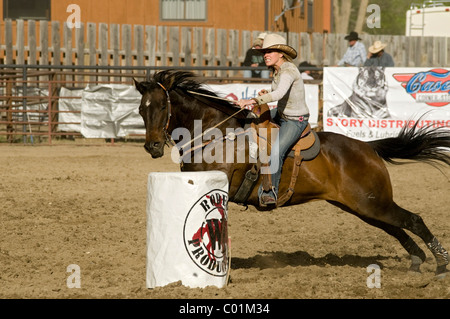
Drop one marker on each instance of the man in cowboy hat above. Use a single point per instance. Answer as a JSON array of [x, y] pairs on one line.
[[356, 52], [377, 56], [306, 74], [255, 58], [291, 111]]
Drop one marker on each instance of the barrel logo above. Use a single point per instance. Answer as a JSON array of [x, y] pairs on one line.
[[207, 242]]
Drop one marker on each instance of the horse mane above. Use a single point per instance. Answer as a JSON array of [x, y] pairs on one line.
[[183, 82]]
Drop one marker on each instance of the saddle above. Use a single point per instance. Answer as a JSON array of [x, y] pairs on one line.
[[306, 148]]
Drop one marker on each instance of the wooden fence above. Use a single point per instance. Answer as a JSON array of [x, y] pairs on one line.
[[50, 43]]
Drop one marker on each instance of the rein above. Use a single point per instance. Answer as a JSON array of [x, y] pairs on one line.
[[210, 96], [201, 135], [169, 115]]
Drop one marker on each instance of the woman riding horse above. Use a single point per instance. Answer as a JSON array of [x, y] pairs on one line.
[[348, 173], [291, 113]]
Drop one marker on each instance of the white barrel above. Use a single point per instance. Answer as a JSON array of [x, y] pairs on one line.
[[187, 232]]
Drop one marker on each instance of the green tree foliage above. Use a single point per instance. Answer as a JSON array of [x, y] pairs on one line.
[[393, 16]]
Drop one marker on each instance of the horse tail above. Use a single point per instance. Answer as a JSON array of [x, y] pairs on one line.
[[426, 144]]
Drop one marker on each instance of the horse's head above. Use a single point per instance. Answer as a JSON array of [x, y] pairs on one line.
[[160, 118], [155, 109]]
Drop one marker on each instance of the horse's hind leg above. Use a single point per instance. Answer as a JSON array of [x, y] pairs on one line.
[[415, 252], [403, 218]]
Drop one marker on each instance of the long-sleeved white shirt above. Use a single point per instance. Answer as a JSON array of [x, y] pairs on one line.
[[288, 89]]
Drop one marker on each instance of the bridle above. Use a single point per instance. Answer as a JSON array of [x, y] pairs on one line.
[[169, 115]]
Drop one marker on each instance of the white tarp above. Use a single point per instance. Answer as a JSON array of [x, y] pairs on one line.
[[187, 233], [373, 103], [110, 111], [69, 106]]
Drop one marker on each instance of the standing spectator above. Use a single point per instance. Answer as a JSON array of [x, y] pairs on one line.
[[255, 58], [356, 53], [306, 74], [377, 56]]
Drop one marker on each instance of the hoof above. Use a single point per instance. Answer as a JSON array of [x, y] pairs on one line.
[[415, 264], [441, 271], [440, 276]]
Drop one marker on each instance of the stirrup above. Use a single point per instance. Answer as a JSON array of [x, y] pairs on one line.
[[265, 199]]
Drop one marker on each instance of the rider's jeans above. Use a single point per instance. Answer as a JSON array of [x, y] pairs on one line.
[[288, 134]]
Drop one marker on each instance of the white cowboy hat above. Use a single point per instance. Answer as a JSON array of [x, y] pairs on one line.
[[275, 41], [377, 47], [262, 35]]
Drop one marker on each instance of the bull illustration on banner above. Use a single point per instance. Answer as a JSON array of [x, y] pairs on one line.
[[368, 99]]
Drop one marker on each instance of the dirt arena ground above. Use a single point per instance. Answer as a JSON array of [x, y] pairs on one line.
[[86, 205]]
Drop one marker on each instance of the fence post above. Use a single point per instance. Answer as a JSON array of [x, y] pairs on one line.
[[32, 42], [52, 106], [233, 39], [49, 108], [9, 110], [305, 47], [210, 45], [162, 45], [294, 41], [24, 103], [246, 44], [317, 48], [198, 46], [92, 44], [8, 41], [126, 44], [150, 44], [20, 42], [186, 45], [115, 42], [139, 44], [56, 43], [79, 35], [175, 45], [329, 46], [43, 43], [103, 39], [68, 58], [222, 49]]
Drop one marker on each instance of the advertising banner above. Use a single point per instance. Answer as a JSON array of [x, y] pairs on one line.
[[370, 103]]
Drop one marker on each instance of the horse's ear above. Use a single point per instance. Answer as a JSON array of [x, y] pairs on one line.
[[139, 86]]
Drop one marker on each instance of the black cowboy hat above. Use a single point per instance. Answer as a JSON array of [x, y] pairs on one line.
[[352, 36], [306, 64]]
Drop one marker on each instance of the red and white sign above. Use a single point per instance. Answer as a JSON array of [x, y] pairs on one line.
[[370, 103]]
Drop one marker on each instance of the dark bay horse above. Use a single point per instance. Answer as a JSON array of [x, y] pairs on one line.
[[347, 173]]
